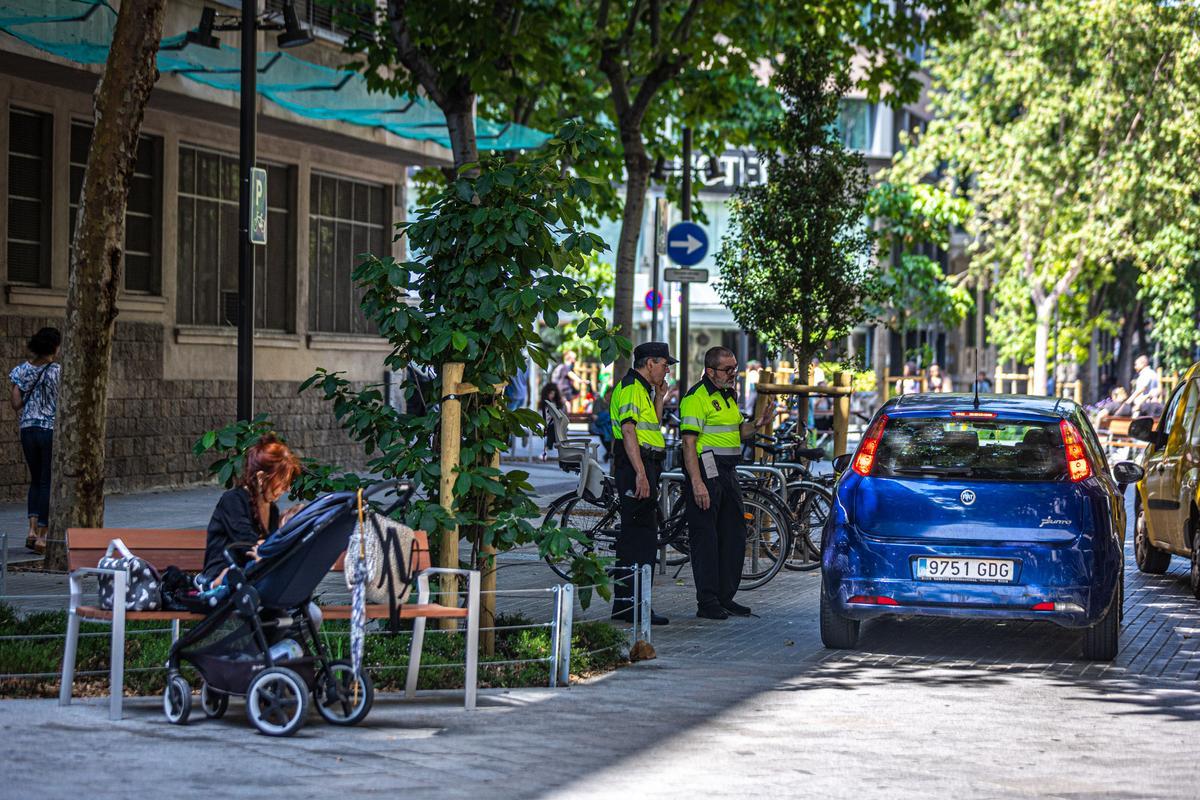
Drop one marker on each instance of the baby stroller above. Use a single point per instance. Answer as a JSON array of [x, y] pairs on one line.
[[260, 640]]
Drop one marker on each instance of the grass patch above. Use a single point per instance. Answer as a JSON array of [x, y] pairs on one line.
[[595, 647]]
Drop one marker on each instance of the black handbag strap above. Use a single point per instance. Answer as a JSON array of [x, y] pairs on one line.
[[26, 395]]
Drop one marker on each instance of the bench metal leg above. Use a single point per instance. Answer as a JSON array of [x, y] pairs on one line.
[[472, 672], [117, 671], [71, 647], [174, 631], [414, 657]]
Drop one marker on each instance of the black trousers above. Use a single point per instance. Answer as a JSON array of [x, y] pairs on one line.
[[38, 446], [636, 541], [717, 537]]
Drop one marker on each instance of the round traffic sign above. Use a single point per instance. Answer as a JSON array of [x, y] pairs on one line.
[[653, 300], [687, 244]]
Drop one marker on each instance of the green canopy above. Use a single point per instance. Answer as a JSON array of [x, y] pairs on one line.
[[81, 31]]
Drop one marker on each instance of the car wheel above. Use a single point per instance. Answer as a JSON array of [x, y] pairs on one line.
[[837, 632], [1149, 559], [1101, 641]]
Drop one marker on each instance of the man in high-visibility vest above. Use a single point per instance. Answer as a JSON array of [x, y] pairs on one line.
[[712, 428], [638, 452]]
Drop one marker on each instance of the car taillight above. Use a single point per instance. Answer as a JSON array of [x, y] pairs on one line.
[[870, 600], [865, 458], [1078, 466]]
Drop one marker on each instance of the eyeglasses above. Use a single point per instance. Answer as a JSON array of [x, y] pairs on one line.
[[727, 370]]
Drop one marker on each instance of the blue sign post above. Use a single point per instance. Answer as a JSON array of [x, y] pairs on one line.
[[687, 244]]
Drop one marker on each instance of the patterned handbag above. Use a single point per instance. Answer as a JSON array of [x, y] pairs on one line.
[[143, 591], [389, 548]]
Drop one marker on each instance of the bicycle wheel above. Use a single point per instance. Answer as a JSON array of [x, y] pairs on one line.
[[768, 538], [672, 531], [810, 509], [598, 524]]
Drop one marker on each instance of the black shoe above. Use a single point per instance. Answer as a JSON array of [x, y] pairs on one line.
[[711, 612], [658, 619], [736, 609], [622, 614]]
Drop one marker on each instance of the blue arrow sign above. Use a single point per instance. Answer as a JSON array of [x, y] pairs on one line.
[[687, 244]]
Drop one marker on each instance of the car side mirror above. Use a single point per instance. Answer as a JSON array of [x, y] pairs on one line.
[[842, 462], [1127, 472], [1142, 429]]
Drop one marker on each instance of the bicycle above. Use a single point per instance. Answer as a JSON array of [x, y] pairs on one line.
[[809, 497], [594, 510]]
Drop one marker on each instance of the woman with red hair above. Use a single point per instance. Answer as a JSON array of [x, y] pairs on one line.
[[246, 514]]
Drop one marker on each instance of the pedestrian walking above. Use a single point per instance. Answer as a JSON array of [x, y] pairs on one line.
[[639, 450], [550, 397], [936, 381], [601, 421], [713, 429], [569, 384], [35, 399]]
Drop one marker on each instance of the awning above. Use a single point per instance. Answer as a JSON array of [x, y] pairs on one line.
[[82, 30]]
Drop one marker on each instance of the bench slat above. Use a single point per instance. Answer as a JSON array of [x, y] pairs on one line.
[[95, 612], [408, 611], [183, 548]]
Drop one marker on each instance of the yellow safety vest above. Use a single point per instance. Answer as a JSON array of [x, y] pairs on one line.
[[713, 415], [631, 400]]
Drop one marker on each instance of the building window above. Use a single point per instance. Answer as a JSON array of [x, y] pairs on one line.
[[30, 141], [143, 211], [856, 124], [208, 244], [322, 16], [347, 219]]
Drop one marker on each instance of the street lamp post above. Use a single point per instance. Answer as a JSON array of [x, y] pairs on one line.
[[293, 35]]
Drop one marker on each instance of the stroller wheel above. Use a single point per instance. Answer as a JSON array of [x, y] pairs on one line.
[[215, 703], [351, 702], [277, 701], [177, 700]]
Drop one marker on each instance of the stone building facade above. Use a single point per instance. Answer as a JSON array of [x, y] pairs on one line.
[[335, 190]]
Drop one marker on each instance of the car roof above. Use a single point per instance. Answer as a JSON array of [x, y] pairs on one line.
[[1006, 404]]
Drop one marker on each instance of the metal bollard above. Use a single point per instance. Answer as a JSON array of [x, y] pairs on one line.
[[637, 607], [566, 622], [643, 620], [555, 630]]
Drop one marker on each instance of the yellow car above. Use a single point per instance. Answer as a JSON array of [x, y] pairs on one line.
[[1168, 498]]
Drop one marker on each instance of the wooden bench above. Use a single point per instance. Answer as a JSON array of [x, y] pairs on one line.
[[1114, 432], [185, 549]]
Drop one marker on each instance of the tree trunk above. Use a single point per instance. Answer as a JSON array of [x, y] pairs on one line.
[[879, 355], [637, 167], [1125, 360], [1041, 344], [77, 498], [460, 119], [1091, 375]]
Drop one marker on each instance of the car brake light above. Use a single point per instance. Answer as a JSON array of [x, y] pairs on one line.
[[865, 459], [868, 600], [1078, 466], [974, 414], [1060, 607]]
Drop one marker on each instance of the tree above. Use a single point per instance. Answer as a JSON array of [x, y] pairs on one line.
[[493, 257], [130, 72], [1069, 125], [911, 219], [796, 267], [639, 67]]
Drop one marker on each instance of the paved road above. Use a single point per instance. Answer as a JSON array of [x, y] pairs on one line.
[[729, 709]]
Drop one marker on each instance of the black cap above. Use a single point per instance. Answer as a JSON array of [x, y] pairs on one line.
[[653, 350]]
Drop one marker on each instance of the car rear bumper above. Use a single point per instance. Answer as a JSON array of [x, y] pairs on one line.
[[1081, 578], [928, 599]]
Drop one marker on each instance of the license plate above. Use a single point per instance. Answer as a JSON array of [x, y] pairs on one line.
[[984, 570]]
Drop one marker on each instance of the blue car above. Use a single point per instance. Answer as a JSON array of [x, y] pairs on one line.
[[1000, 507]]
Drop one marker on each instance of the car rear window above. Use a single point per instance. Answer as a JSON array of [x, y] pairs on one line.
[[1015, 450]]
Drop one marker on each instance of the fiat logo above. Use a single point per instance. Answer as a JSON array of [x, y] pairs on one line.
[[967, 497]]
